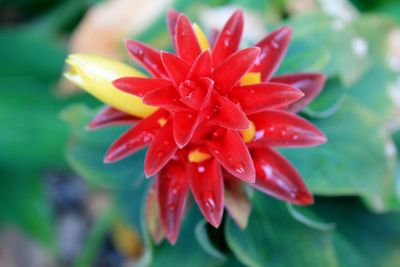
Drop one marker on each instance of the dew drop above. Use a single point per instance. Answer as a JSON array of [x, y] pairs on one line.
[[209, 200], [172, 207], [227, 42], [159, 154], [201, 169], [239, 168], [295, 136], [252, 91]]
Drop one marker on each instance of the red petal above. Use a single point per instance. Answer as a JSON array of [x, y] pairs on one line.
[[160, 151], [227, 114], [172, 19], [310, 84], [280, 128], [202, 67], [139, 86], [173, 187], [273, 48], [151, 214], [277, 177], [177, 68], [185, 124], [258, 97], [109, 116], [136, 138], [207, 188], [228, 40], [188, 47], [196, 94], [148, 57], [237, 201], [231, 152], [166, 97], [230, 71]]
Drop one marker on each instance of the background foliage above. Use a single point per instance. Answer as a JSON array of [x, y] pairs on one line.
[[355, 176]]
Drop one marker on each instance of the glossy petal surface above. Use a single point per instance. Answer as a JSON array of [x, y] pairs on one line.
[[277, 177], [187, 46], [230, 71], [227, 114], [258, 97], [207, 187], [280, 128], [177, 68], [172, 188], [230, 151], [160, 151], [310, 84], [273, 48], [110, 116], [166, 97], [172, 19], [148, 57], [185, 124], [229, 38], [136, 138], [139, 86], [202, 67]]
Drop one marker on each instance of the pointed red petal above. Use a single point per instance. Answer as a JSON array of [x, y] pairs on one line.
[[185, 124], [139, 86], [202, 67], [196, 94], [258, 97], [227, 114], [109, 116], [160, 151], [166, 97], [148, 57], [173, 187], [228, 40], [273, 48], [230, 71], [280, 128], [137, 137], [310, 84], [172, 19], [277, 177], [207, 187], [151, 214], [187, 45], [228, 148], [237, 201], [177, 68]]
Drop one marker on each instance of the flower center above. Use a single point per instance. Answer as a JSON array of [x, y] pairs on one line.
[[192, 93]]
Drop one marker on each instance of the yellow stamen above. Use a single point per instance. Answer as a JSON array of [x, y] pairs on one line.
[[95, 75], [198, 156], [162, 121], [251, 78], [248, 134], [201, 37]]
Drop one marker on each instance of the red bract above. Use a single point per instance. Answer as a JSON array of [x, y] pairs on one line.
[[212, 128]]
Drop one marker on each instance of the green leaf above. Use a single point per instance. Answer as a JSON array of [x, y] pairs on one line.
[[353, 161], [86, 149], [274, 238]]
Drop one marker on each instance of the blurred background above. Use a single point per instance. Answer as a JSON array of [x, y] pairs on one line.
[[49, 214]]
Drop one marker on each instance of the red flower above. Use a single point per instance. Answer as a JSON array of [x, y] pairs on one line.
[[221, 114]]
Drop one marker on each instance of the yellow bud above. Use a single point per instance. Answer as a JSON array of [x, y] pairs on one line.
[[251, 78], [248, 134], [198, 156], [95, 75], [201, 37]]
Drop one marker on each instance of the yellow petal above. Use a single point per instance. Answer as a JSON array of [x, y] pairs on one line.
[[201, 37], [248, 134], [251, 78], [95, 75], [198, 156]]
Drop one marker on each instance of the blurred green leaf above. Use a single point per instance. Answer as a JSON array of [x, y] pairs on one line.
[[274, 238], [353, 161]]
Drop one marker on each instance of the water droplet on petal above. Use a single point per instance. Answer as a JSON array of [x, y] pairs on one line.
[[226, 42], [239, 168], [172, 207], [208, 199], [274, 44]]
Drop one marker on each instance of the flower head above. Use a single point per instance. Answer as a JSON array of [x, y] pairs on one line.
[[213, 119]]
